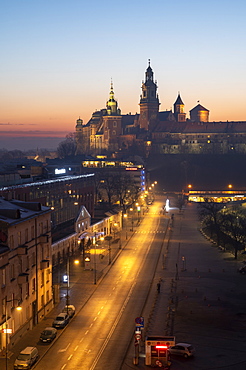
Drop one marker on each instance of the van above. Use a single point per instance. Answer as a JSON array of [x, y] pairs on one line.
[[26, 358]]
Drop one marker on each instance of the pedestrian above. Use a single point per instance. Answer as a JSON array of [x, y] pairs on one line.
[[158, 287]]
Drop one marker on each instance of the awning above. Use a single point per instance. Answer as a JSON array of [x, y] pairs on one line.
[[83, 235]]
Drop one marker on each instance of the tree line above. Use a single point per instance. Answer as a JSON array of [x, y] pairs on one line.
[[225, 225]]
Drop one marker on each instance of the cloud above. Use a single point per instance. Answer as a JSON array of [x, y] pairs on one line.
[[17, 124], [34, 133]]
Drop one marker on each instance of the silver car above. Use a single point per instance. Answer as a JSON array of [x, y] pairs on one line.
[[182, 349], [61, 320]]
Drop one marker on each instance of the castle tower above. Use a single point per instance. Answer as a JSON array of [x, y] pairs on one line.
[[199, 114], [149, 101], [112, 105], [179, 110]]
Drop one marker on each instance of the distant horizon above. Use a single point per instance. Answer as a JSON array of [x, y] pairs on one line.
[[25, 143]]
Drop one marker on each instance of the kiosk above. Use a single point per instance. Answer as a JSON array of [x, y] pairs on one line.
[[156, 351]]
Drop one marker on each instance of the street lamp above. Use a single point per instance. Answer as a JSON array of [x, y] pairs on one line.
[[131, 209], [66, 278], [8, 330]]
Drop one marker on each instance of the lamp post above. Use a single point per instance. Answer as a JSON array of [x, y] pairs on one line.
[[8, 330], [108, 238], [66, 278], [95, 262], [131, 210], [109, 252]]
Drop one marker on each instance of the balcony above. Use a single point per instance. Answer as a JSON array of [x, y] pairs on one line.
[[44, 264], [43, 239], [22, 250], [22, 278]]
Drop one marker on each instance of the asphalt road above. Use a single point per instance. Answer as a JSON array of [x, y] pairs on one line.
[[98, 337]]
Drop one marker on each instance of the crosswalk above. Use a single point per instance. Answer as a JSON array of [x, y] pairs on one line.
[[150, 232]]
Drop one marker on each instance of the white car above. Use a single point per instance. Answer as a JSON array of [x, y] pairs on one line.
[[69, 309], [182, 349]]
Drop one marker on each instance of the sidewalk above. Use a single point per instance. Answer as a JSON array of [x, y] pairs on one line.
[[77, 296]]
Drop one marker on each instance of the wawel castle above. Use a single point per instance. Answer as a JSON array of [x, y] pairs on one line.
[[153, 131]]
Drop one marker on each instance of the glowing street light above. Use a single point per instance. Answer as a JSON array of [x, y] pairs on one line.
[[8, 330]]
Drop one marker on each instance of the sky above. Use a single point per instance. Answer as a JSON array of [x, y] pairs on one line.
[[58, 59]]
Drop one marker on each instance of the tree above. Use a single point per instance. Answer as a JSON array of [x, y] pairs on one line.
[[107, 186], [67, 147], [118, 187], [126, 191], [234, 226], [210, 217]]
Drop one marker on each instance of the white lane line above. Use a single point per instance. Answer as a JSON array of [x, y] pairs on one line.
[[81, 340], [113, 327], [64, 349], [69, 358], [75, 349], [87, 331], [63, 367], [95, 318]]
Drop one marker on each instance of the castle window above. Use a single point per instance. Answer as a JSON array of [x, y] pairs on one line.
[[115, 124], [144, 94], [113, 132]]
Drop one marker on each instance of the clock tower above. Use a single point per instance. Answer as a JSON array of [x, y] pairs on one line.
[[149, 101]]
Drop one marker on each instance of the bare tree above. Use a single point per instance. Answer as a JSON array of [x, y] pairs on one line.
[[209, 213], [234, 226], [67, 147], [127, 192]]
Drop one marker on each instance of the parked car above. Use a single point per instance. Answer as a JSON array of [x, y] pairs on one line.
[[26, 358], [69, 309], [48, 334], [61, 320], [242, 270], [182, 349]]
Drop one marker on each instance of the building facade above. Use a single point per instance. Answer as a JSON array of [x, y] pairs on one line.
[[64, 194], [25, 267]]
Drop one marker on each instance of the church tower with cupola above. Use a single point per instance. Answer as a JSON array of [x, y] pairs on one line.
[[179, 113], [112, 124], [149, 101], [112, 105]]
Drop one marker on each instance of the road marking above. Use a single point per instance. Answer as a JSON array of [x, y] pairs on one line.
[[91, 324], [63, 366], [113, 327], [64, 349], [95, 318], [69, 358], [81, 340], [75, 349], [87, 331]]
